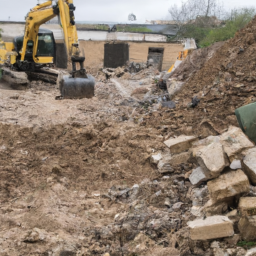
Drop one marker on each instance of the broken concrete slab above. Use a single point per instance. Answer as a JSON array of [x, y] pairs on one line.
[[198, 176], [234, 141], [211, 228], [247, 206], [180, 144], [212, 159], [247, 228], [228, 185], [249, 165]]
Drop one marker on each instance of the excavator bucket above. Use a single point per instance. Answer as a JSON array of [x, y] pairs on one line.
[[79, 85], [77, 88]]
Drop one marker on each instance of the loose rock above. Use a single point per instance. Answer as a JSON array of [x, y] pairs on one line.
[[247, 206], [180, 144], [247, 228], [249, 164], [251, 252], [198, 176], [234, 141], [212, 159], [211, 228], [228, 185]]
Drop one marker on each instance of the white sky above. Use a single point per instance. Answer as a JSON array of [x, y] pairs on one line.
[[108, 10]]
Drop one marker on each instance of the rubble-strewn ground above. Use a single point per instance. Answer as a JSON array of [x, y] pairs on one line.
[[103, 176]]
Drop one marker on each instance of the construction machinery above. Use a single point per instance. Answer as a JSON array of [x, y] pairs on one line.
[[36, 49]]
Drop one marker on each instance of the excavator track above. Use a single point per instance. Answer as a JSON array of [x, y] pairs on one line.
[[43, 75], [17, 80], [20, 80]]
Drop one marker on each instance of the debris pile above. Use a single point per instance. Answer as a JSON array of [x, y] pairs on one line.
[[224, 83]]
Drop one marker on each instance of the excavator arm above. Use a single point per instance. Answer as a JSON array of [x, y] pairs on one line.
[[40, 15]]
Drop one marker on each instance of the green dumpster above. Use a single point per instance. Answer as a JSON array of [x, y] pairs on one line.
[[246, 117]]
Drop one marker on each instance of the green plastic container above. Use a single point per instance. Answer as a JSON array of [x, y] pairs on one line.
[[246, 117]]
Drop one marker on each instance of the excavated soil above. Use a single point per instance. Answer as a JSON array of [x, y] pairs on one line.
[[225, 82], [60, 158]]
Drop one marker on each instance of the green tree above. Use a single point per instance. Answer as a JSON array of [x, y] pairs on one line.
[[237, 19]]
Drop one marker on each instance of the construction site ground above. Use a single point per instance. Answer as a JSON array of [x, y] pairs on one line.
[[76, 176], [60, 157]]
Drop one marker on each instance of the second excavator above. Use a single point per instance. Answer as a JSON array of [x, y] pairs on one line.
[[35, 49]]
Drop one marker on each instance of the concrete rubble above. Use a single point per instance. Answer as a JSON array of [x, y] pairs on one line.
[[211, 228], [234, 141], [212, 159], [180, 144], [198, 176], [247, 206], [230, 184], [247, 228], [249, 165]]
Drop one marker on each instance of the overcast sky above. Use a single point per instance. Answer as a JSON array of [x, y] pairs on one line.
[[108, 10]]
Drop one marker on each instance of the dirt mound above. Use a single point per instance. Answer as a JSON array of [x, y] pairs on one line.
[[224, 83], [195, 62]]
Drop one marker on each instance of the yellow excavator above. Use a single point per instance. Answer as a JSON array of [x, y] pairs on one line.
[[34, 50]]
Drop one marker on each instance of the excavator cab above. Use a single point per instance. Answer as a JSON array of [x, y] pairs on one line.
[[45, 46]]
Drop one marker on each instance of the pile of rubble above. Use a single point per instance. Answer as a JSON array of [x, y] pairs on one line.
[[225, 173]]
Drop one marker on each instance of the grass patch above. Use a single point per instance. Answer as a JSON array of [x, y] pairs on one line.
[[133, 29], [246, 244]]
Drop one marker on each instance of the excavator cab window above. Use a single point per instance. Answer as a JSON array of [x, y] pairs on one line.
[[45, 46]]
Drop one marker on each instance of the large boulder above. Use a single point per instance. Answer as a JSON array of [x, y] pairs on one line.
[[228, 185], [212, 159], [211, 228], [234, 141], [249, 165], [180, 144]]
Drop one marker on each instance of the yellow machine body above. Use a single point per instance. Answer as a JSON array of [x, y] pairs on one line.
[[35, 18], [182, 56], [6, 53]]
